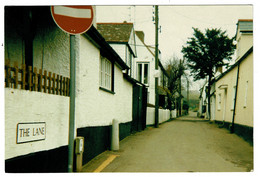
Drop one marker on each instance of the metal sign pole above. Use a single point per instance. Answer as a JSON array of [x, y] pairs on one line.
[[156, 121], [72, 102]]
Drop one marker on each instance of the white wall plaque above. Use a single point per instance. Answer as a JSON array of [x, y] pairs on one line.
[[28, 132]]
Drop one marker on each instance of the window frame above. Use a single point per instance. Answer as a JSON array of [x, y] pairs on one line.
[[106, 71], [142, 72]]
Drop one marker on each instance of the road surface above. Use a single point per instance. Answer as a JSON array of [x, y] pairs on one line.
[[186, 144]]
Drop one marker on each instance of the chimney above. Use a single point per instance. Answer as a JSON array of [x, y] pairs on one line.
[[140, 34], [220, 69]]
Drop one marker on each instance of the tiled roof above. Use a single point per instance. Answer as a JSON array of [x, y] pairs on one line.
[[115, 32]]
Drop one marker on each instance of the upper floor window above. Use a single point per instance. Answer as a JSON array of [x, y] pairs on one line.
[[106, 74], [143, 72]]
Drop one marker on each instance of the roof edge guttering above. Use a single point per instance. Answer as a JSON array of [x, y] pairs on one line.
[[98, 40]]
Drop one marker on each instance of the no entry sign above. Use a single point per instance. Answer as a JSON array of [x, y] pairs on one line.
[[73, 19]]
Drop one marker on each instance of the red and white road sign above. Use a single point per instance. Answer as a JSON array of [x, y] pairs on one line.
[[73, 19]]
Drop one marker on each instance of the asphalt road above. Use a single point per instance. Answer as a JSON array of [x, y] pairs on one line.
[[186, 144]]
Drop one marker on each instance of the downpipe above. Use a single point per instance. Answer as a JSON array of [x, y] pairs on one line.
[[235, 101]]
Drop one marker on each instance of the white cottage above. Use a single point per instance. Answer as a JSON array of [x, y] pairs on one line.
[[122, 39], [144, 67], [37, 92]]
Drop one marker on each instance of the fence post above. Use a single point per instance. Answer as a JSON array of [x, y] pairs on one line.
[[68, 87], [35, 77], [60, 85], [40, 80], [30, 77], [57, 82], [45, 81], [49, 88], [53, 85], [64, 86], [15, 74], [23, 76], [8, 73]]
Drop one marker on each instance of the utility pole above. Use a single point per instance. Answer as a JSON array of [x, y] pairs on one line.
[[156, 122], [188, 99], [180, 91]]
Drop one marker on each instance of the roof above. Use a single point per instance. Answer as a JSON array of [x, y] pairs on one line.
[[115, 32], [97, 39], [140, 35], [234, 65]]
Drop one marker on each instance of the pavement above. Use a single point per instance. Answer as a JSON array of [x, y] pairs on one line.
[[186, 144]]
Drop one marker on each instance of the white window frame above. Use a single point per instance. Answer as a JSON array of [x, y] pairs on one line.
[[142, 74], [105, 73]]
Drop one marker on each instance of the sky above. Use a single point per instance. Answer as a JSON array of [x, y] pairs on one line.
[[176, 23]]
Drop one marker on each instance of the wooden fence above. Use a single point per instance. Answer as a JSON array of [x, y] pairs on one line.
[[34, 80]]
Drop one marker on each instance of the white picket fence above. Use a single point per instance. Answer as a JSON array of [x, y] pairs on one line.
[[164, 115]]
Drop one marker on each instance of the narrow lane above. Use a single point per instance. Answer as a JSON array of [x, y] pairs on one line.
[[186, 144]]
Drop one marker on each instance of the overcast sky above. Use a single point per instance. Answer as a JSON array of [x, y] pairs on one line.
[[176, 22]]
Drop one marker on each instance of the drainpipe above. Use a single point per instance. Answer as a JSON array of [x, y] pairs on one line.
[[234, 110]]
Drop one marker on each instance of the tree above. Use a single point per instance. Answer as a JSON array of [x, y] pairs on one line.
[[206, 51], [175, 69]]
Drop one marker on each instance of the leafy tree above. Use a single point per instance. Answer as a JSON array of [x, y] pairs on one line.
[[205, 52], [175, 69]]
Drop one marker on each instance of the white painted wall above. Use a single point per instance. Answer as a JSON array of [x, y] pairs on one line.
[[244, 43], [144, 55], [23, 106], [51, 51], [95, 107], [120, 50]]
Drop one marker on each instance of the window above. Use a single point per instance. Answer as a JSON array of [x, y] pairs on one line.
[[106, 74], [246, 90], [219, 101], [129, 61], [143, 72]]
